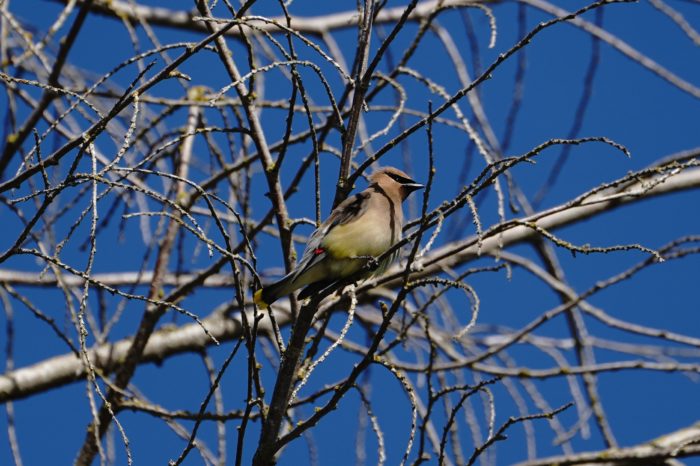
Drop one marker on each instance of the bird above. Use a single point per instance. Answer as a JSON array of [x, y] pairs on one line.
[[359, 229]]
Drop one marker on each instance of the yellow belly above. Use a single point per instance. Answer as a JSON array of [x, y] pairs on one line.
[[357, 239]]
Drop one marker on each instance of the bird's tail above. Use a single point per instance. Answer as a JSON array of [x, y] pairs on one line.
[[316, 288], [271, 293]]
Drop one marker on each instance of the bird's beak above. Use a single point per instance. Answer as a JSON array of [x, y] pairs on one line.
[[410, 187]]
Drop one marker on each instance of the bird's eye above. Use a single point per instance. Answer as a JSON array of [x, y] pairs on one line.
[[400, 179]]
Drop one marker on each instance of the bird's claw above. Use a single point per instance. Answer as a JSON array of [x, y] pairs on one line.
[[371, 262]]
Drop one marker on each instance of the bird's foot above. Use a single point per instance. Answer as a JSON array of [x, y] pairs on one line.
[[371, 262]]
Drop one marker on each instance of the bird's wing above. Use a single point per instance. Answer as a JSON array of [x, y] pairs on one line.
[[350, 209]]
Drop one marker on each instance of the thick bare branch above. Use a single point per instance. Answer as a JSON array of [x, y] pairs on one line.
[[679, 444]]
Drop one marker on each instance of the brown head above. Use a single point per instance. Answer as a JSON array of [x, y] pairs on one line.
[[394, 182]]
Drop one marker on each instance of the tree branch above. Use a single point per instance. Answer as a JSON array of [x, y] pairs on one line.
[[67, 368], [178, 19], [681, 443]]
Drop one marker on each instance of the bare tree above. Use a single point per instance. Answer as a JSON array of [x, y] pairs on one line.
[[137, 200]]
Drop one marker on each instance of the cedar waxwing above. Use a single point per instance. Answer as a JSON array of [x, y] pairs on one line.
[[363, 226]]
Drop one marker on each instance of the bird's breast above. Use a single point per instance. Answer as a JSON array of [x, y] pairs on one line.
[[369, 235]]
